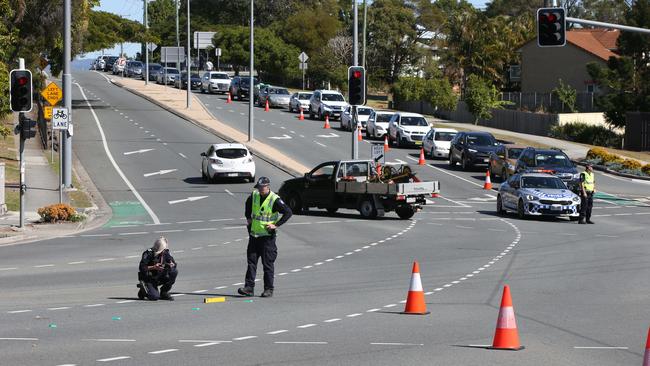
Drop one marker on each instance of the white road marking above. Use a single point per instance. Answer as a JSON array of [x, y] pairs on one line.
[[230, 193], [138, 151], [18, 311], [206, 229], [93, 235], [125, 301], [163, 351], [199, 291], [105, 259], [331, 320], [206, 344], [288, 342], [108, 340], [277, 332], [318, 143], [390, 305], [160, 172], [188, 199], [8, 269], [93, 305], [306, 326], [395, 344], [18, 339], [59, 308], [244, 338], [114, 359], [354, 315], [117, 168], [44, 265], [135, 233], [167, 231], [614, 347], [132, 256]]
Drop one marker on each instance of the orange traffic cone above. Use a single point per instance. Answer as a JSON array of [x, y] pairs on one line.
[[327, 121], [506, 336], [266, 107], [646, 357], [378, 169], [386, 147], [421, 161], [359, 137], [228, 100], [488, 184], [415, 301], [302, 116]]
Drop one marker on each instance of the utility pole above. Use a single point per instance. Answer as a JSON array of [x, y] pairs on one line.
[[146, 43], [188, 58], [365, 23], [65, 138], [355, 62], [178, 42], [251, 84]]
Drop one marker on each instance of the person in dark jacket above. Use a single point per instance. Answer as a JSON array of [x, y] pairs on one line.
[[262, 211], [157, 268]]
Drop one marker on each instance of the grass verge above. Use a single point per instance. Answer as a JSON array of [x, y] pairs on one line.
[[8, 155], [78, 198]]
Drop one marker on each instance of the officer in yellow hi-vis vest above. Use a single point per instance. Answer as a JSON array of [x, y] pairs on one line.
[[587, 189], [263, 209]]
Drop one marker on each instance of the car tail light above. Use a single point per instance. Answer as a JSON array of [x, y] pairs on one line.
[[216, 161], [400, 197]]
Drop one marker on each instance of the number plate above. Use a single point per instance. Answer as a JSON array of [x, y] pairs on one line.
[[486, 160], [410, 199], [232, 174], [556, 208]]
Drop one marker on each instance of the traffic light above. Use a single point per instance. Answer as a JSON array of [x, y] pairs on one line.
[[551, 27], [27, 128], [20, 90], [356, 85]]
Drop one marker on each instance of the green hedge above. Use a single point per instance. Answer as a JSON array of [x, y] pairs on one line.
[[587, 134]]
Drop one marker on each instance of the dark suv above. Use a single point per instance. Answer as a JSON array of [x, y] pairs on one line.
[[472, 148], [109, 63], [239, 88], [551, 161]]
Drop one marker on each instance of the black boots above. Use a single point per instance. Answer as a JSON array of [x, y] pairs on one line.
[[246, 291], [267, 293]]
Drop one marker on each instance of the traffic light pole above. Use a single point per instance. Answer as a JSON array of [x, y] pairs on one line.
[[21, 149], [607, 25], [355, 62], [66, 139]]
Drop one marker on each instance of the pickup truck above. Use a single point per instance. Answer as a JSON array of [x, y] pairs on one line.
[[355, 184]]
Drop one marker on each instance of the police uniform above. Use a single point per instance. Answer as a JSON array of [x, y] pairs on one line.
[[150, 280], [588, 184], [261, 211]]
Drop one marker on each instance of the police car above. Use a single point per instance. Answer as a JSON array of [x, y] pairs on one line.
[[537, 194]]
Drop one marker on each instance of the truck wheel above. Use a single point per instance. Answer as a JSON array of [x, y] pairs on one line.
[[367, 209], [295, 203], [405, 212], [332, 210]]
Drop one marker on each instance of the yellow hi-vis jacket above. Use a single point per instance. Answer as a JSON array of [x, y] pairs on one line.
[[262, 214]]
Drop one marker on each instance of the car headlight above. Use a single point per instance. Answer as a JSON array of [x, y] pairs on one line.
[[472, 150], [576, 199], [325, 106], [576, 176], [530, 197]]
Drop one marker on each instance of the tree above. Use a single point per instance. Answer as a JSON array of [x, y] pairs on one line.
[[609, 11], [309, 29], [330, 63], [481, 97], [567, 96]]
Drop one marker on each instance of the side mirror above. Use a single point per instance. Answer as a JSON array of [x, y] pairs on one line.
[[203, 154]]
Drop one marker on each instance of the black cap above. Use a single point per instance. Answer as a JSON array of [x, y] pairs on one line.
[[263, 181]]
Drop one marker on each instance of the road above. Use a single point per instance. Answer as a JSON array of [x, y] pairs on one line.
[[580, 291]]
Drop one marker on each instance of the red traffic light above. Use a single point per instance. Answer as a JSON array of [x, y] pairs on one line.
[[22, 80], [357, 74]]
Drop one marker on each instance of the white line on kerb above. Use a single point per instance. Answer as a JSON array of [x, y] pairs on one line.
[[117, 168]]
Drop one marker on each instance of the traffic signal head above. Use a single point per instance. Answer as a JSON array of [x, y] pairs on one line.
[[356, 85], [551, 27], [20, 90], [27, 128]]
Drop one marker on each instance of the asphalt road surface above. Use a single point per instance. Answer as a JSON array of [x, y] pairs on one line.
[[580, 292]]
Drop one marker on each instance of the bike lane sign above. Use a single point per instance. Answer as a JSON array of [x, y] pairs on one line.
[[60, 118]]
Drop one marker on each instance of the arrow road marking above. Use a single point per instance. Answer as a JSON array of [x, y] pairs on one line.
[[331, 134], [283, 137], [188, 199], [160, 172], [138, 151]]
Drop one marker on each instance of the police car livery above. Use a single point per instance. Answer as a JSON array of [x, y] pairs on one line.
[[537, 194]]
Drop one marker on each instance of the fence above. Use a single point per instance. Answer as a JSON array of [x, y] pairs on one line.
[[637, 131], [548, 102]]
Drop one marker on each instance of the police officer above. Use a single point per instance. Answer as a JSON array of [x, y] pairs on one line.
[[263, 209], [587, 188], [157, 268]]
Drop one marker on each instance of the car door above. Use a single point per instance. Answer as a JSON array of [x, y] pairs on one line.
[[294, 103], [457, 146], [509, 193], [523, 161], [205, 157], [319, 185], [498, 159], [427, 142]]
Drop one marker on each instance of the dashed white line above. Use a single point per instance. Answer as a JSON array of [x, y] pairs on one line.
[[18, 311], [331, 320], [93, 305], [244, 338], [163, 351], [299, 342], [306, 326], [277, 332], [114, 359], [59, 308], [44, 265], [354, 315]]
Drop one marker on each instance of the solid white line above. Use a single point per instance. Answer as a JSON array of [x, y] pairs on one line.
[[113, 358], [600, 347], [18, 339], [109, 340], [287, 342], [61, 308], [18, 311], [117, 168], [163, 351], [277, 332], [456, 202]]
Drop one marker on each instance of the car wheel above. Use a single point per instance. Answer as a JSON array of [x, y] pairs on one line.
[[332, 210], [431, 153], [311, 114], [367, 133], [204, 176], [452, 162], [295, 203], [405, 212], [521, 213], [398, 141], [500, 210], [463, 162], [367, 209]]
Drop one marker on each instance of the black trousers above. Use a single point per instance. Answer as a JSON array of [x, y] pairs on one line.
[[165, 280], [586, 204], [264, 247]]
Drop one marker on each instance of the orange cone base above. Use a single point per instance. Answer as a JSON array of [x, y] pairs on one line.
[[506, 349], [415, 304], [424, 313]]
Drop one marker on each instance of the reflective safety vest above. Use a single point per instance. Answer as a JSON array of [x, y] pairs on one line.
[[588, 182], [262, 214]]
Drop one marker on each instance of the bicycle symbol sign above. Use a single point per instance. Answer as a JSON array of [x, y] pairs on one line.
[[60, 118]]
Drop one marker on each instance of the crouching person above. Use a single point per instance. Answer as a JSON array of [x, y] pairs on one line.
[[157, 268]]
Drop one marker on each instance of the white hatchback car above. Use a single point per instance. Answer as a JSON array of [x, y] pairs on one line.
[[215, 82], [363, 113], [227, 161], [407, 129], [437, 142], [378, 124]]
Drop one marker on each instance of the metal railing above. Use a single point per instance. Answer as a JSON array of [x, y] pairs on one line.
[[549, 102]]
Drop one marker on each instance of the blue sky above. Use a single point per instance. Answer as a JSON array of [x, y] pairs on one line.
[[133, 9]]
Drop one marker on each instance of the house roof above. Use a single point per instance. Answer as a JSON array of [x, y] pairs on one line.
[[599, 42]]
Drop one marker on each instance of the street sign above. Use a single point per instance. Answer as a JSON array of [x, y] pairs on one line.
[[303, 57], [203, 40], [377, 153], [171, 54], [302, 66], [47, 112], [52, 93], [217, 52], [60, 118], [152, 46]]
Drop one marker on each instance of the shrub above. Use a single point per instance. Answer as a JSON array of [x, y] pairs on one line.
[[57, 212], [5, 131], [646, 169], [587, 134], [631, 164]]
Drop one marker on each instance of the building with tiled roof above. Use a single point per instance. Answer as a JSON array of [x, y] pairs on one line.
[[541, 68]]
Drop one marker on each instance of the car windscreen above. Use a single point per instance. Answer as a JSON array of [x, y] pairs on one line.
[[514, 152], [303, 96], [383, 117], [245, 81], [231, 153], [279, 91], [444, 136], [195, 76], [219, 76], [543, 182], [112, 59], [364, 111], [154, 67], [414, 121], [172, 71], [552, 160], [480, 140], [332, 97], [136, 64]]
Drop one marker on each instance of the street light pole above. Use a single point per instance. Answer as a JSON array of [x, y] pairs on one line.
[[64, 137], [146, 43], [189, 57], [365, 23], [251, 135], [355, 62], [178, 42]]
